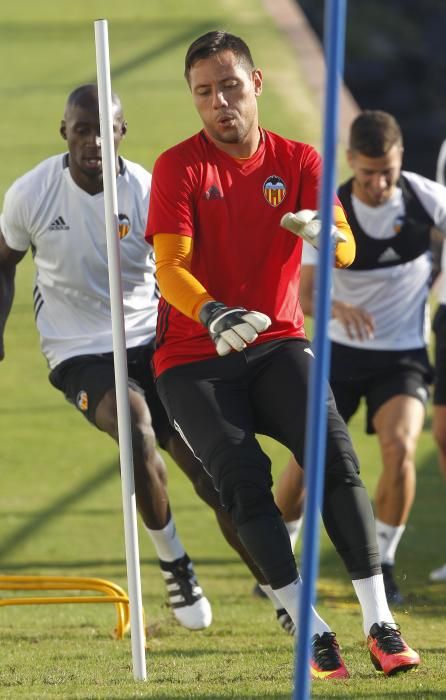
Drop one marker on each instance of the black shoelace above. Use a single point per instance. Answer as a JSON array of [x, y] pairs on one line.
[[183, 577], [388, 638], [325, 651]]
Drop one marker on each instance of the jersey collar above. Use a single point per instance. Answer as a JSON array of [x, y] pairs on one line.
[[121, 163]]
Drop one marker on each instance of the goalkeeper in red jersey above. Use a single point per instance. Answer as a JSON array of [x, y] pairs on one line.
[[232, 359]]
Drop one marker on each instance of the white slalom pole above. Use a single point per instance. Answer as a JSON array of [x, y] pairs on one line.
[[119, 350]]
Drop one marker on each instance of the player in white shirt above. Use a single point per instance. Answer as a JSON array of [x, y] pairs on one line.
[[379, 327], [57, 210], [439, 328]]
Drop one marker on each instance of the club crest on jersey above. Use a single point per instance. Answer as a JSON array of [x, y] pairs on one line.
[[124, 225], [82, 401], [274, 190], [398, 224]]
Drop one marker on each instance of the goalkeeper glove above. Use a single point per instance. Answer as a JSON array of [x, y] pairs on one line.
[[307, 224], [232, 328]]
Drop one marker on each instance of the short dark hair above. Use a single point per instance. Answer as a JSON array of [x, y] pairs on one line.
[[374, 132], [213, 43], [86, 96]]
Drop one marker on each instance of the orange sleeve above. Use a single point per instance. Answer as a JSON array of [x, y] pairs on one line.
[[345, 252], [173, 255]]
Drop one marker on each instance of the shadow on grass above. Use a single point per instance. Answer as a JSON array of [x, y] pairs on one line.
[[104, 563], [53, 510]]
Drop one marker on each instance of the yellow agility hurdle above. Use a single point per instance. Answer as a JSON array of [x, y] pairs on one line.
[[113, 594]]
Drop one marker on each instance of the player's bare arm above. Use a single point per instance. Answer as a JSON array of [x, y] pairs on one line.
[[8, 261], [358, 323]]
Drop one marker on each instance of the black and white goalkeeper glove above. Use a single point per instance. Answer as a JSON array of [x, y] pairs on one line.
[[232, 328], [307, 224]]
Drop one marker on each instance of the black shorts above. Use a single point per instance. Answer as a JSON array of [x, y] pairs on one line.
[[218, 405], [377, 376], [439, 328], [86, 379]]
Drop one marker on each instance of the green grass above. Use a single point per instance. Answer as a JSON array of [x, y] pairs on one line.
[[60, 499]]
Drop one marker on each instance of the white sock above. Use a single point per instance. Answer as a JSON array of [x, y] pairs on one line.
[[289, 596], [373, 601], [166, 542], [266, 588], [294, 528], [388, 537]]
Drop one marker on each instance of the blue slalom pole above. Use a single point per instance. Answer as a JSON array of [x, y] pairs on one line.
[[316, 428]]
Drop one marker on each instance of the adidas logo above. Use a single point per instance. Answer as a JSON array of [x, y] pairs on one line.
[[58, 225], [213, 193], [422, 393], [389, 255]]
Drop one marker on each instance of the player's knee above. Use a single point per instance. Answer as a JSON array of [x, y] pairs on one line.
[[106, 418], [398, 451], [149, 466], [143, 440], [111, 427], [245, 489], [343, 471], [439, 433], [250, 501]]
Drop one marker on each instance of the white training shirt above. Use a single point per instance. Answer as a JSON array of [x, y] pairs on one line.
[[441, 288], [395, 296], [441, 178], [65, 227]]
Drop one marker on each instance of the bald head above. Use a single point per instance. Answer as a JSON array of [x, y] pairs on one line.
[[86, 97]]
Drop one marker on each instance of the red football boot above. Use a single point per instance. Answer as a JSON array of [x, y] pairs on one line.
[[326, 661], [388, 650]]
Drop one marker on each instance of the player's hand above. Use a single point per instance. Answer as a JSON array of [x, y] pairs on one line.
[[232, 328], [307, 224], [358, 323]]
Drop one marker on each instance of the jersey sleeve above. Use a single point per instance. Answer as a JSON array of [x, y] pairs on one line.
[[346, 250], [432, 196], [13, 220], [171, 198], [310, 179], [173, 255], [309, 199], [440, 175]]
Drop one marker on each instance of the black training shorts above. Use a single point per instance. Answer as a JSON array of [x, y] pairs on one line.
[[86, 379], [377, 376], [439, 328], [218, 405]]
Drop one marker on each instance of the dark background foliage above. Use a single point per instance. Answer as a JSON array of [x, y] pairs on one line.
[[395, 59]]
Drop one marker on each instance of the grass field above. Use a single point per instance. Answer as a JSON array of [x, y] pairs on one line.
[[60, 501]]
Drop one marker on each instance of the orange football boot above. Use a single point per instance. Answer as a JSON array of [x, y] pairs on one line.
[[388, 650]]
